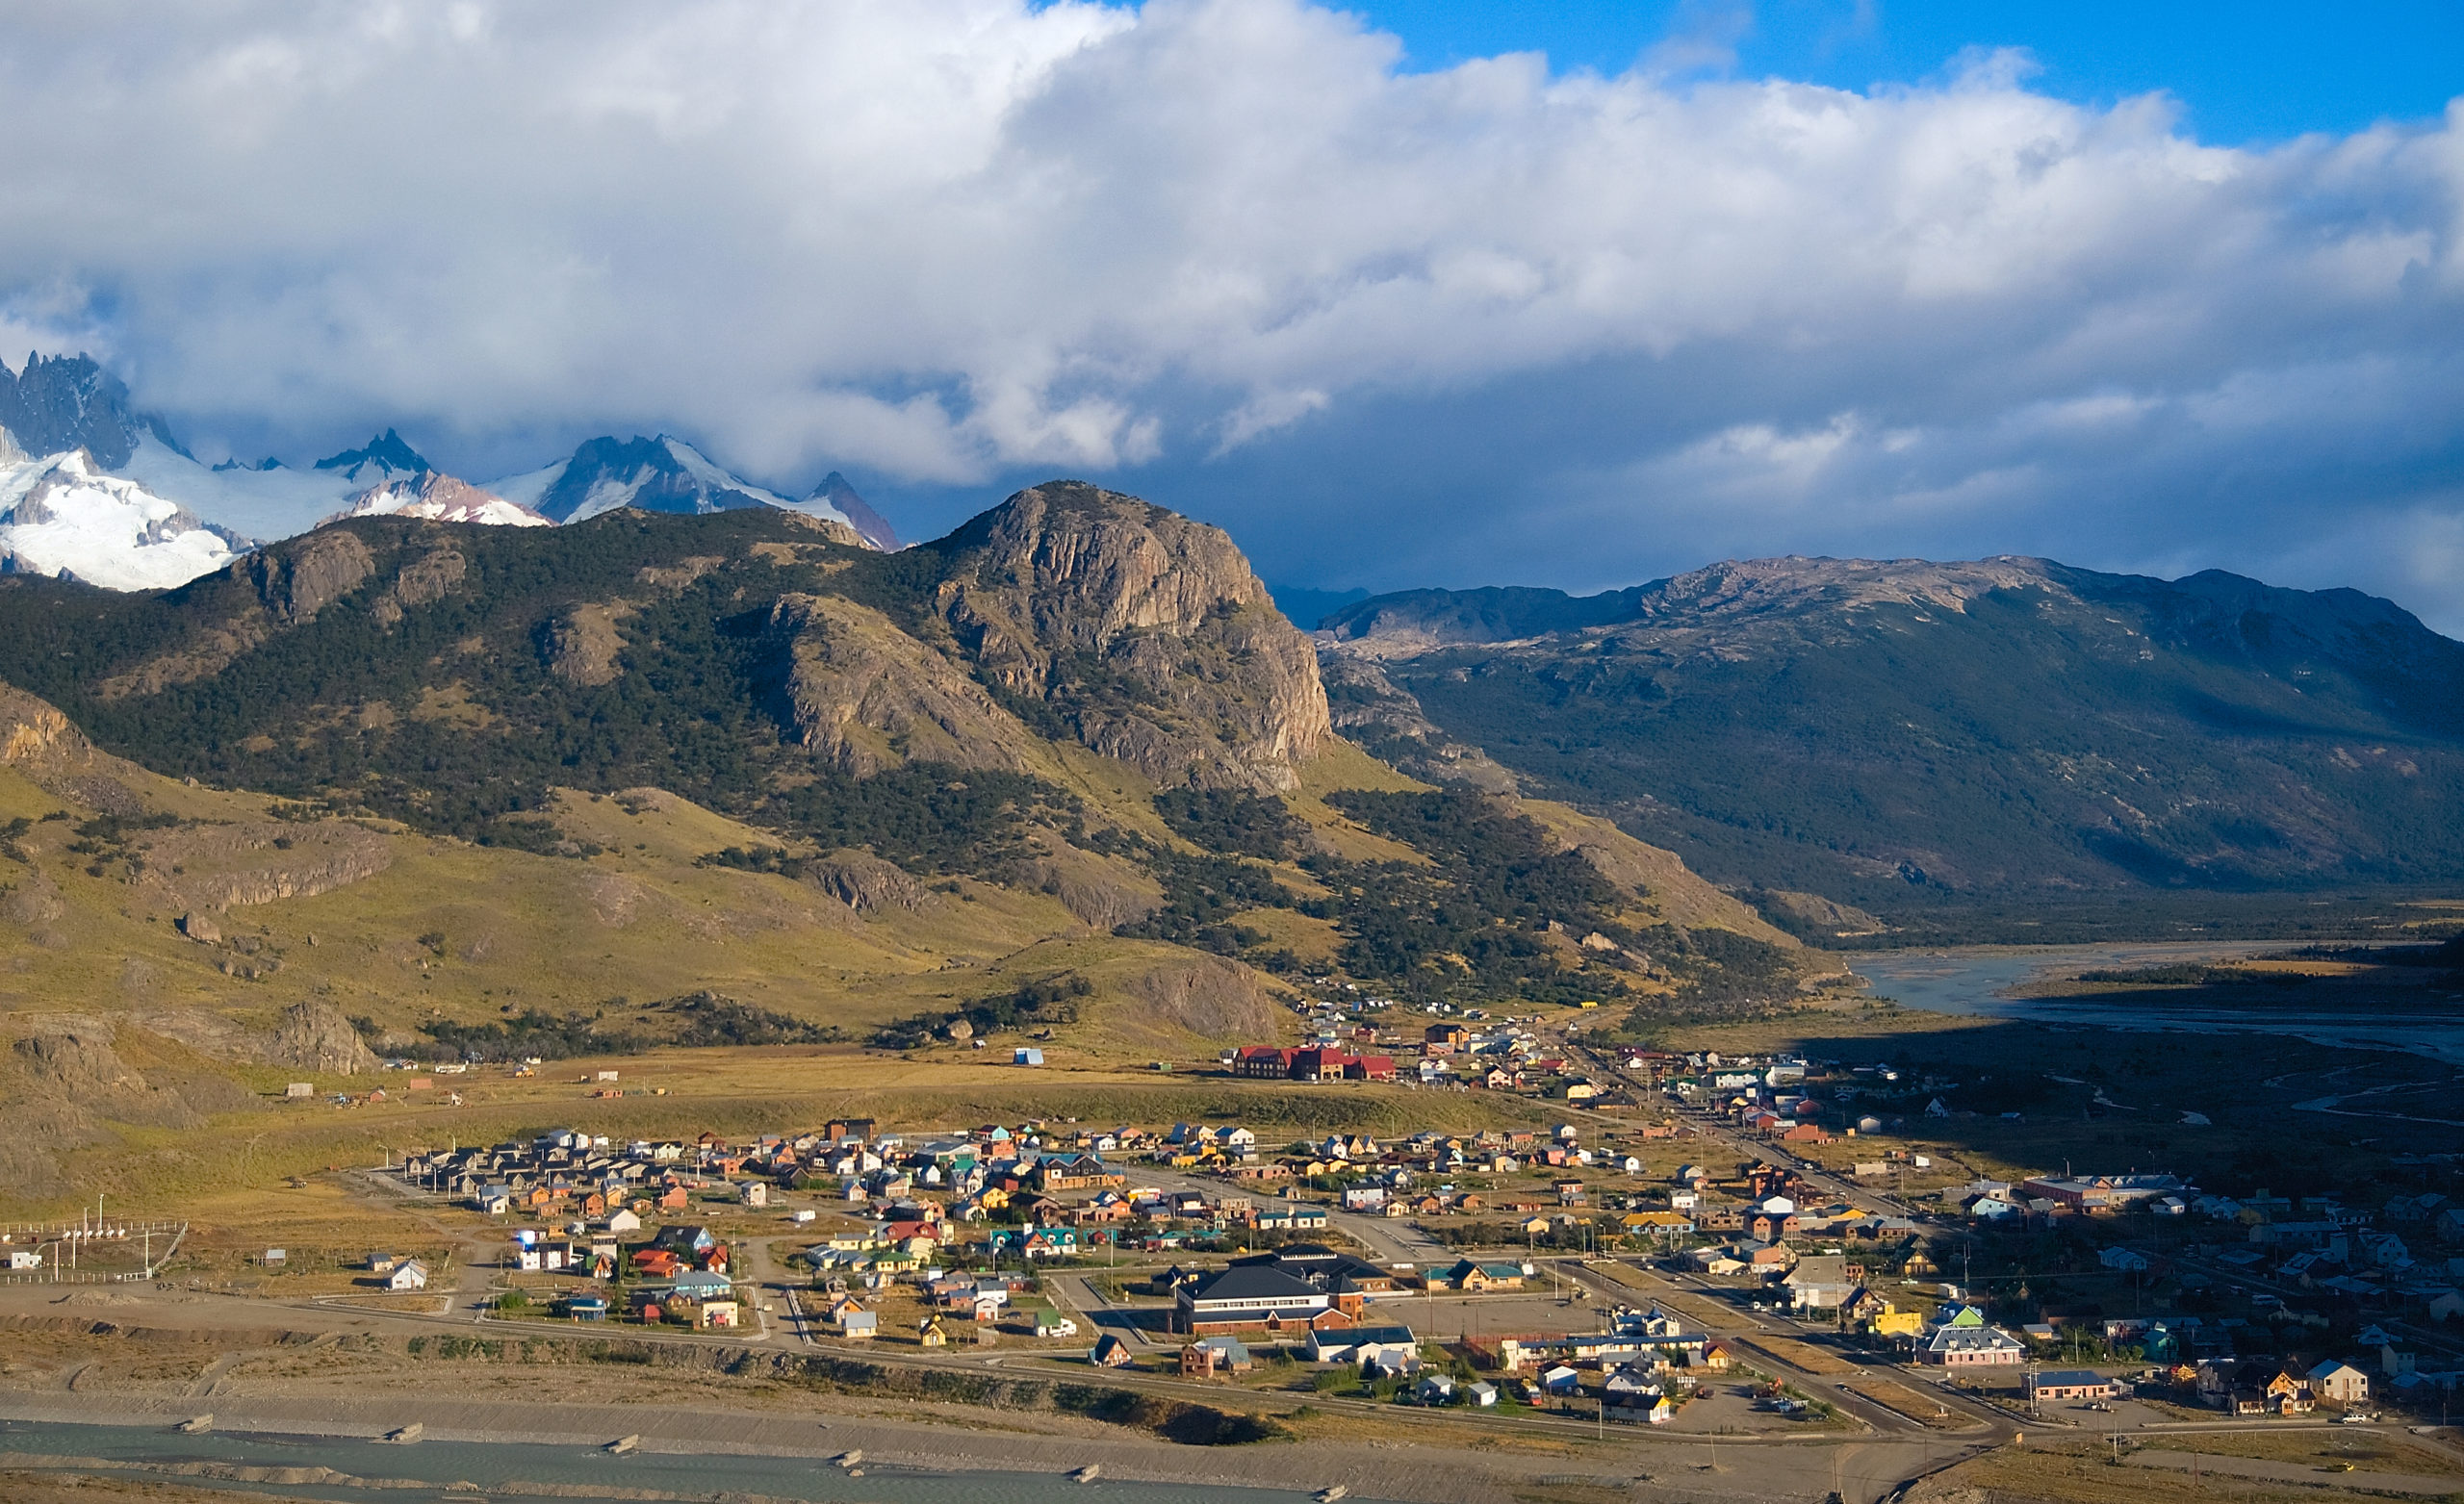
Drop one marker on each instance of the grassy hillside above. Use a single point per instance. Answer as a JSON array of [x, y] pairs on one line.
[[732, 783]]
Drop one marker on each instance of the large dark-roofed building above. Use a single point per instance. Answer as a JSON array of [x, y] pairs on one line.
[[1248, 1296]]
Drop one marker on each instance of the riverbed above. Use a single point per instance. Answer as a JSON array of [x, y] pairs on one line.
[[293, 1466], [1979, 982]]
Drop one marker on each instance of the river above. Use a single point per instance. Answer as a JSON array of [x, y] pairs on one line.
[[553, 1470], [1978, 981]]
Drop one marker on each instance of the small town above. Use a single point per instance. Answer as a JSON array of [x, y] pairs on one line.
[[1764, 1253]]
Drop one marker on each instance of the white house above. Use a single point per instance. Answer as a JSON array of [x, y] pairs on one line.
[[2339, 1383], [624, 1219], [409, 1274], [2129, 1261]]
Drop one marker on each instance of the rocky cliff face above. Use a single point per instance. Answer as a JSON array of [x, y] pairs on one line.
[[316, 1036], [39, 742], [1144, 633], [224, 866], [863, 695]]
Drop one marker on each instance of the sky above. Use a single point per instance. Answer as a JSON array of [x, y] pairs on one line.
[[1416, 295]]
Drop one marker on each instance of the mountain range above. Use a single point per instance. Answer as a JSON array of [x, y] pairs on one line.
[[1072, 739], [1843, 739], [92, 489]]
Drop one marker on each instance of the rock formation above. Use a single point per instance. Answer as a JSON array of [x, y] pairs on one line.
[[316, 1036], [1146, 634]]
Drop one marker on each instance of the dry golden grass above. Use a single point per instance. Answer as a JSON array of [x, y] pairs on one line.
[[1801, 1354], [2368, 1451], [1897, 1397]]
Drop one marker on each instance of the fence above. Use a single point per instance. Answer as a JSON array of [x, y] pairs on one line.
[[75, 1239]]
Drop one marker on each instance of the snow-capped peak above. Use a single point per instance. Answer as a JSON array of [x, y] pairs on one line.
[[386, 454], [667, 475], [439, 499], [62, 517]]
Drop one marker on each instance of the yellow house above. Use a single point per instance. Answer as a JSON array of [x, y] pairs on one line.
[[931, 1334], [1657, 1221], [993, 1198], [1891, 1322]]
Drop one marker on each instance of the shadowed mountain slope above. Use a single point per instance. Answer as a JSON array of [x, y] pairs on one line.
[[1900, 733]]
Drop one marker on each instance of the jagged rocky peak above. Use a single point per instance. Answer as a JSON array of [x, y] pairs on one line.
[[836, 493], [386, 454], [64, 402], [1148, 632], [660, 474]]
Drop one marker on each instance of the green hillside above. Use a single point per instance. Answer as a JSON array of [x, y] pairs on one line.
[[558, 779]]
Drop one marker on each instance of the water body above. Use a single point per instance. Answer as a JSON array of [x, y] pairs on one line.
[[577, 1471], [1977, 981]]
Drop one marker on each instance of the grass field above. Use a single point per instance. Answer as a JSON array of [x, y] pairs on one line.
[[1897, 1397], [682, 1094], [1802, 1355]]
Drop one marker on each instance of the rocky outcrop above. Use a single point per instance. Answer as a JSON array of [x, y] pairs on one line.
[[64, 1080], [865, 883], [1144, 633], [76, 1056], [1206, 995], [33, 731], [424, 580], [316, 1036], [41, 742], [297, 581], [583, 643], [863, 695], [214, 868], [1105, 892]]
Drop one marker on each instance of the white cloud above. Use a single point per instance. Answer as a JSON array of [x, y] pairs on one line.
[[951, 238]]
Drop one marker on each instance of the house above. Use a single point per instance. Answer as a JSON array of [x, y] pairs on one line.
[[1475, 1275], [1484, 1394], [1361, 1344], [2062, 1384], [1560, 1380], [1966, 1342], [1820, 1282], [931, 1334], [1210, 1356], [719, 1315], [2339, 1383], [1111, 1352], [407, 1275], [2287, 1393], [1436, 1389], [2128, 1260]]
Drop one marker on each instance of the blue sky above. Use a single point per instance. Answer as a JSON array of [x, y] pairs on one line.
[[2154, 288], [2256, 71]]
